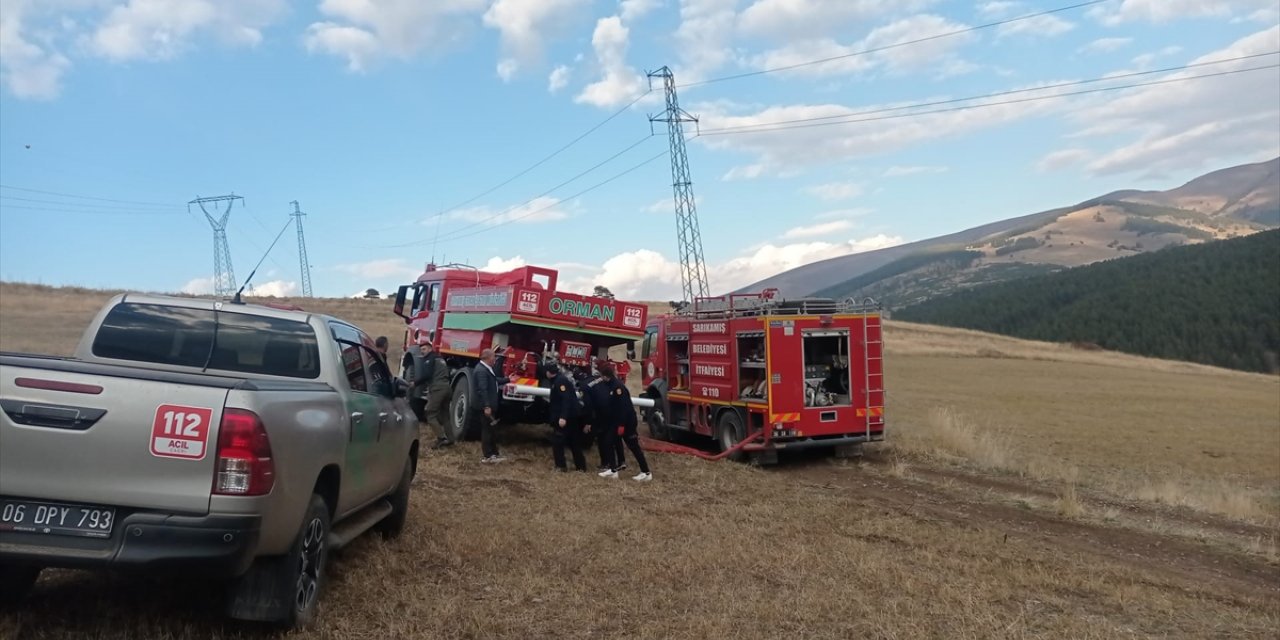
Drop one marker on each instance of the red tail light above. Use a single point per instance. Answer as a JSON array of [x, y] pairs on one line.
[[244, 464]]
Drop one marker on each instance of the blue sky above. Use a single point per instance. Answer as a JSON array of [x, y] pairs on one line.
[[377, 115]]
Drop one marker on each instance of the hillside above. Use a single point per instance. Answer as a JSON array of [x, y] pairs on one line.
[[1223, 204], [1215, 303]]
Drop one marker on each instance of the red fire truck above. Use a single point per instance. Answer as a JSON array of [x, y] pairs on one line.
[[520, 315], [785, 374]]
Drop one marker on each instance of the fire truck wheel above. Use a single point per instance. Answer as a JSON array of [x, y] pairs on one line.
[[729, 433], [460, 418]]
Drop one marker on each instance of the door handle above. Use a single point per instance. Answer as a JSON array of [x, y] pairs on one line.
[[357, 416]]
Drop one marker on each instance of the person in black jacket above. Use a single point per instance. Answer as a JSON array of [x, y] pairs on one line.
[[564, 419], [485, 381], [598, 395], [624, 414]]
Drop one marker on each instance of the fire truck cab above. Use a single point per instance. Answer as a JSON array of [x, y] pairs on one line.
[[522, 316], [785, 374]]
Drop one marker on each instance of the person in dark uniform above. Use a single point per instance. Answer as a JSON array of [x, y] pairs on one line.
[[598, 396], [485, 381], [624, 414], [564, 419]]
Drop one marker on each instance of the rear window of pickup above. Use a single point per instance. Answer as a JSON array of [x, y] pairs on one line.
[[236, 342]]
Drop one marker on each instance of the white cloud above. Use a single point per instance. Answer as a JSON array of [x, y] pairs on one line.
[[162, 29], [541, 209], [897, 171], [524, 25], [498, 264], [1158, 11], [817, 230], [27, 69], [363, 31], [630, 10], [1106, 45], [198, 287], [790, 20], [382, 269], [276, 288], [748, 172], [619, 83], [832, 191], [1062, 159], [999, 9], [939, 56], [704, 37], [794, 148], [1043, 25], [648, 275], [1190, 125], [558, 79]]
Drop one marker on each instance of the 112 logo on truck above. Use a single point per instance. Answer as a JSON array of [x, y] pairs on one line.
[[180, 432]]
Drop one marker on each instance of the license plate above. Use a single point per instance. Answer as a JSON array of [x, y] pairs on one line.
[[28, 516]]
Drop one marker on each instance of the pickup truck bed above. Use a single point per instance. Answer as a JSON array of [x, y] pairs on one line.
[[232, 440]]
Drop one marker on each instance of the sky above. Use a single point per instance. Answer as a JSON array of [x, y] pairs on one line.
[[498, 133]]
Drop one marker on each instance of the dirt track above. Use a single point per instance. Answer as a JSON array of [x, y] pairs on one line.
[[1177, 562], [820, 548]]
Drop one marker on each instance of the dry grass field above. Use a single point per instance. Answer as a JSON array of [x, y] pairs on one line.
[[1026, 490]]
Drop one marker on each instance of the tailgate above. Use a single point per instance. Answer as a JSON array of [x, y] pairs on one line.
[[129, 437]]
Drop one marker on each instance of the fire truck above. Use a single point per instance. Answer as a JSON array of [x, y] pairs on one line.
[[524, 319], [785, 375]]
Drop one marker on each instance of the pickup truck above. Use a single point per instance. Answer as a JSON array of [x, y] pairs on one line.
[[234, 441]]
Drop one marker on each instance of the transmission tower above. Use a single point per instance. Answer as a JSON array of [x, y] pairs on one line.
[[224, 277], [693, 270], [302, 251]]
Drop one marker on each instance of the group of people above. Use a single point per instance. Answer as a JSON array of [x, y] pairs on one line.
[[604, 411]]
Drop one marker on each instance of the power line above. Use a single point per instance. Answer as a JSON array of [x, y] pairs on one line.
[[784, 125], [174, 213], [545, 159], [887, 47], [90, 205], [544, 194], [578, 194], [70, 195]]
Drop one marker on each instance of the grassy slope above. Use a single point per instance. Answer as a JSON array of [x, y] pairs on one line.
[[813, 549]]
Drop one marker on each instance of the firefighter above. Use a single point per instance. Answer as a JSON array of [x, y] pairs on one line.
[[624, 415], [598, 398], [435, 377], [564, 419]]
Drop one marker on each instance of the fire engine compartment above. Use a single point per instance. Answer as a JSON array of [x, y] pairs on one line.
[[826, 368]]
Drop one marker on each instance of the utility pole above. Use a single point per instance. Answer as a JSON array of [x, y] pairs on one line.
[[693, 269], [304, 264], [224, 277]]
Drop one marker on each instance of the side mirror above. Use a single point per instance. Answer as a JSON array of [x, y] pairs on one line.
[[631, 352], [399, 389], [401, 294]]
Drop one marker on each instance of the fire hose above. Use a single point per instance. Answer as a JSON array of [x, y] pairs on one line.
[[649, 444]]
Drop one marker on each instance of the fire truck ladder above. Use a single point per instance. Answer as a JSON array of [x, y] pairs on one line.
[[873, 383]]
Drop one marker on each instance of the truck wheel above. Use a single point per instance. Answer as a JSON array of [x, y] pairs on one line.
[[284, 590], [16, 582], [658, 429], [460, 417], [392, 525], [731, 433]]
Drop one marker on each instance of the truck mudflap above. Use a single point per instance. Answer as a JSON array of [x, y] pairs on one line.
[[217, 545]]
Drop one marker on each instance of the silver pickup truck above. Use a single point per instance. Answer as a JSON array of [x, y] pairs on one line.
[[241, 442]]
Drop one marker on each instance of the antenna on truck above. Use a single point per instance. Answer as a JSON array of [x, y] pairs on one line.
[[237, 299]]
